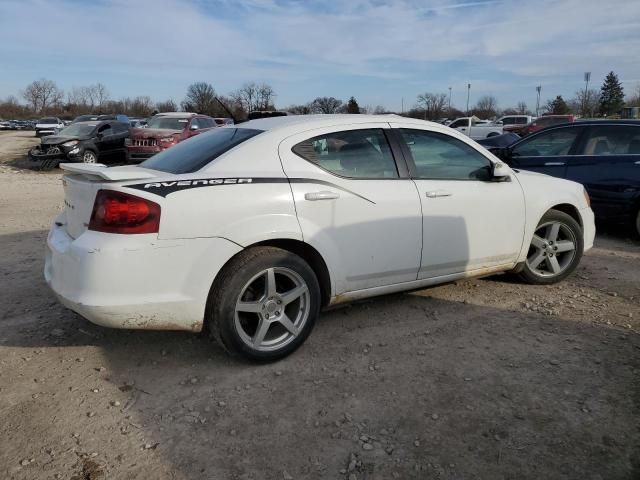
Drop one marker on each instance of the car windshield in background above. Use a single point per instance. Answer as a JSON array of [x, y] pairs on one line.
[[48, 120], [191, 155], [172, 123], [78, 130]]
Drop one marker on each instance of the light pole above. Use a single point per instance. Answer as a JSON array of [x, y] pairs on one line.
[[587, 77], [449, 101], [468, 93], [538, 89]]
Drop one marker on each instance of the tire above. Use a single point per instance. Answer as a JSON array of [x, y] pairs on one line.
[[638, 223], [89, 156], [555, 249], [240, 303]]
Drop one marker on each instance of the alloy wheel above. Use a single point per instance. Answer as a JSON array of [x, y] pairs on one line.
[[272, 309], [89, 157], [552, 249]]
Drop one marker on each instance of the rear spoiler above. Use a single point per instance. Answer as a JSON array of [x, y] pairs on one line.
[[113, 174]]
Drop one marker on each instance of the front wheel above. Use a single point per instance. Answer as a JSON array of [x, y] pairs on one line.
[[264, 304], [555, 250], [89, 157]]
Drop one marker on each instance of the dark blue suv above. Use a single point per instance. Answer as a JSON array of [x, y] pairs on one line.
[[603, 155]]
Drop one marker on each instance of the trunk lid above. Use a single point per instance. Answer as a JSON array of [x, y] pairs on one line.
[[81, 183]]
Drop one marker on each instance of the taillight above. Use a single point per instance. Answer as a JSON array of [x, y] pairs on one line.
[[117, 212]]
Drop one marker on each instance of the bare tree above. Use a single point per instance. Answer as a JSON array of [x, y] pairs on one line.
[[326, 105], [141, 106], [379, 110], [587, 103], [634, 97], [101, 94], [254, 97], [521, 108], [200, 98], [41, 94], [433, 104], [167, 106], [486, 107]]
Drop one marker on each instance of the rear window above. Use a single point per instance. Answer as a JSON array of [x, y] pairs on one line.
[[193, 154]]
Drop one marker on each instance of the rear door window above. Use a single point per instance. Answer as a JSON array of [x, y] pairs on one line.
[[200, 150], [351, 153], [611, 140]]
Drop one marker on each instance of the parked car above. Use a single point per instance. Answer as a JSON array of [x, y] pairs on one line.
[[250, 230], [515, 123], [85, 118], [137, 122], [163, 131], [256, 114], [475, 128], [6, 125], [499, 141], [116, 116], [603, 155], [87, 142], [48, 126], [221, 122], [543, 122]]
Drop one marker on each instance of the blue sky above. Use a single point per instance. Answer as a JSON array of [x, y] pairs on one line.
[[380, 51]]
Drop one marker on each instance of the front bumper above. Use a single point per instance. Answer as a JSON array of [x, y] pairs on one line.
[[588, 227], [134, 281]]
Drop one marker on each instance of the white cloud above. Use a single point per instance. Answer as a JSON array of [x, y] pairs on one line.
[[292, 41]]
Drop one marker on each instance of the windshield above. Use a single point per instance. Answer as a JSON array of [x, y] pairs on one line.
[[193, 154], [78, 129], [48, 120], [172, 123]]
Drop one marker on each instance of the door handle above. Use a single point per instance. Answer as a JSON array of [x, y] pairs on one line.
[[324, 195], [553, 164], [438, 193]]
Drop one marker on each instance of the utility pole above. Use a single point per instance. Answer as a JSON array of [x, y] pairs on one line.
[[402, 103], [449, 101], [468, 93], [538, 89], [587, 77]]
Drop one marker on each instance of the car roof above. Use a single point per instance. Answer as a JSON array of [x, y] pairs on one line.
[[621, 121], [176, 114], [307, 122]]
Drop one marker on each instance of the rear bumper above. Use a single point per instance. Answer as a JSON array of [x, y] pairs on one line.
[[135, 281]]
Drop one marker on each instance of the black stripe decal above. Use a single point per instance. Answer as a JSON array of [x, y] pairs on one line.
[[163, 189]]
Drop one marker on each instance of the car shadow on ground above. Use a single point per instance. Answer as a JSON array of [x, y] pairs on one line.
[[403, 385]]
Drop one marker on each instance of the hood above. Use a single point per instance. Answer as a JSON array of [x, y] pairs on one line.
[[57, 139], [152, 132]]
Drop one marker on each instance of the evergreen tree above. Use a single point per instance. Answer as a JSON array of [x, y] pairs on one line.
[[352, 106], [557, 106], [611, 95]]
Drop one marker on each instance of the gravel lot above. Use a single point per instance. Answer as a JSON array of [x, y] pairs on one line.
[[481, 379]]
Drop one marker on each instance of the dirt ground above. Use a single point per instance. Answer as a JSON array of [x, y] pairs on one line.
[[481, 379]]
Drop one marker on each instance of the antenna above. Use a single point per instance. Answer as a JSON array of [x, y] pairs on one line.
[[235, 120]]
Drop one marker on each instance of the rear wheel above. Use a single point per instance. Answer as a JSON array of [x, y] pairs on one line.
[[555, 250], [638, 223], [264, 304]]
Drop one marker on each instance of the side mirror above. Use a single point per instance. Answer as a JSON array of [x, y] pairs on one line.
[[499, 171], [99, 135], [194, 127]]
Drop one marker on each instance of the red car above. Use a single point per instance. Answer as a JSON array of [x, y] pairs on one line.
[[163, 131], [543, 122]]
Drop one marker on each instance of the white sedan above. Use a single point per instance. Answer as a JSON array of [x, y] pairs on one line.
[[250, 230]]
